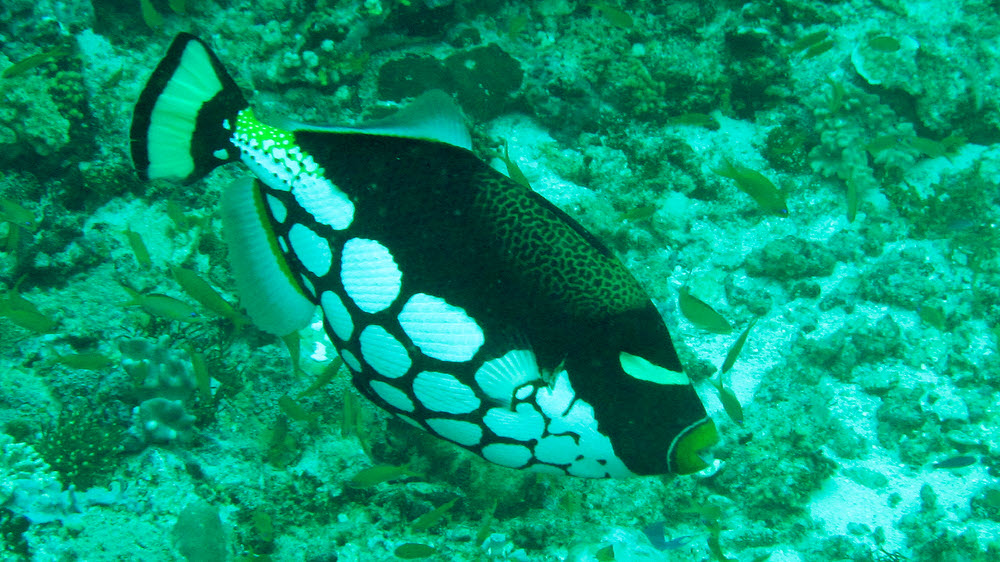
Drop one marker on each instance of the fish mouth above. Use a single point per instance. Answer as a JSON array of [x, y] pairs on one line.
[[691, 450], [707, 456]]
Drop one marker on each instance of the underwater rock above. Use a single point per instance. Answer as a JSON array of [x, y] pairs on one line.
[[198, 533], [790, 258], [484, 79], [411, 76], [481, 78], [882, 66]]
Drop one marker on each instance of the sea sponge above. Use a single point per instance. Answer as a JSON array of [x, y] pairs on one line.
[[163, 421], [157, 369]]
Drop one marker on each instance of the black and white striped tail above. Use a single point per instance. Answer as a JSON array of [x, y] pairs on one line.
[[182, 121]]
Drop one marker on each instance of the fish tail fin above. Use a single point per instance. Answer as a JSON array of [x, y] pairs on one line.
[[183, 121]]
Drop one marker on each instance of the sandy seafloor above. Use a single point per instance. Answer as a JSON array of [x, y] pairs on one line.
[[875, 355]]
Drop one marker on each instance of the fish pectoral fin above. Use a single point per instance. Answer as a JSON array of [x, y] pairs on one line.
[[267, 289]]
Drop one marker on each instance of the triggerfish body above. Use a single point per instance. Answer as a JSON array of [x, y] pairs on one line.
[[461, 301]]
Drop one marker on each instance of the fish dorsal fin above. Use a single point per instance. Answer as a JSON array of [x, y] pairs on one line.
[[431, 116], [264, 281]]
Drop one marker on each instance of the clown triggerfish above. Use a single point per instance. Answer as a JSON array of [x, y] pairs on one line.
[[462, 301]]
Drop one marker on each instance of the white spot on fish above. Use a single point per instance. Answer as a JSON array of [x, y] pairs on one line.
[[440, 330], [312, 250], [350, 360], [309, 164], [498, 378], [565, 414], [524, 392], [557, 449], [278, 209], [307, 284], [555, 399], [523, 424], [513, 456], [461, 432], [321, 199], [394, 396], [442, 392], [410, 421], [383, 352], [369, 274], [337, 315]]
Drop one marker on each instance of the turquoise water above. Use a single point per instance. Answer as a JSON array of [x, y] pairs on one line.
[[157, 429]]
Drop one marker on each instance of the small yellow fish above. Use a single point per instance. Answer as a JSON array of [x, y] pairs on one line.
[[809, 40], [730, 403], [754, 184], [513, 171], [206, 295], [884, 43], [638, 214], [701, 314], [818, 49], [324, 378], [885, 142], [163, 306], [26, 64], [486, 525], [734, 351], [177, 216], [294, 410], [606, 554], [139, 249], [24, 313], [280, 444], [202, 379], [429, 519], [414, 551], [853, 199], [381, 473], [149, 14], [351, 421], [89, 361], [928, 147], [615, 16], [16, 214]]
